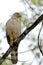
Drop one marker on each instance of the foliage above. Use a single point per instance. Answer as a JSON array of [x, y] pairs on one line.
[[38, 55], [37, 2], [22, 63], [7, 62]]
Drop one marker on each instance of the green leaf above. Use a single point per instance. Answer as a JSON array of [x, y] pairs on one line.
[[7, 62], [22, 63], [36, 2], [30, 23], [39, 2], [33, 1], [2, 53], [38, 55], [4, 63]]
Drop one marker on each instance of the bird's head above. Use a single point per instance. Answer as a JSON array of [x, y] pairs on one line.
[[18, 15]]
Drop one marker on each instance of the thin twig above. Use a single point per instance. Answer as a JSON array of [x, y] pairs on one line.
[[38, 40]]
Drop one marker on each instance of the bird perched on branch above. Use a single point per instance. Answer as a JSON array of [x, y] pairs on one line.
[[13, 31]]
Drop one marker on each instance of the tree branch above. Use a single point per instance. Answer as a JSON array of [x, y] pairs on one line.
[[21, 37], [38, 39]]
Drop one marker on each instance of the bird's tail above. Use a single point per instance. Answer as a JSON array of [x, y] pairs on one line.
[[14, 56]]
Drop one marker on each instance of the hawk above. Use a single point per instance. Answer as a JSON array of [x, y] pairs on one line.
[[13, 31]]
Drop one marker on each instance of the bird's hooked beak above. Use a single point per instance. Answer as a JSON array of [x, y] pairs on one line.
[[18, 15]]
